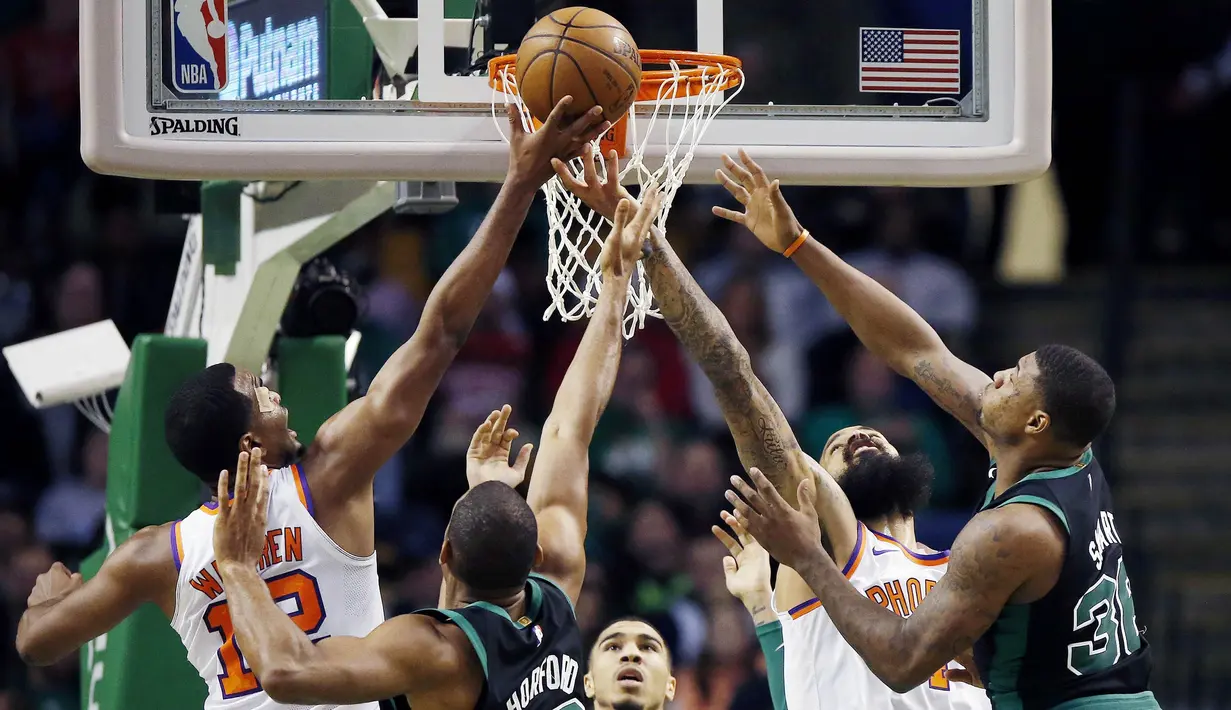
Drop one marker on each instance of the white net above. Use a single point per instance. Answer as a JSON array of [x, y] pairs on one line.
[[685, 105], [97, 409]]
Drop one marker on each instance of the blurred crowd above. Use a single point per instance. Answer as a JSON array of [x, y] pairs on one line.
[[76, 248]]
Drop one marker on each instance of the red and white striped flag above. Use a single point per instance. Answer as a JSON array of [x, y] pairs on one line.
[[902, 61]]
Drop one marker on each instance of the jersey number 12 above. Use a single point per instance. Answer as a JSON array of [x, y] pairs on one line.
[[236, 678], [1108, 607]]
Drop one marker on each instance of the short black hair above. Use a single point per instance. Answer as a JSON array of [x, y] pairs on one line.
[[494, 537], [1078, 394], [205, 420], [880, 485]]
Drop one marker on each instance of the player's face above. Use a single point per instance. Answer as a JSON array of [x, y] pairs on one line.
[[1012, 401], [847, 445], [269, 430], [629, 667]]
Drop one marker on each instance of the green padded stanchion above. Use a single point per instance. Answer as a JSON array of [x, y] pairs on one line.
[[312, 381], [140, 664], [145, 484]]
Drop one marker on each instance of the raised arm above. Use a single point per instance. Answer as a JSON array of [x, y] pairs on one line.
[[353, 444], [64, 613], [994, 556], [884, 324], [747, 575], [410, 655], [559, 483], [763, 437]]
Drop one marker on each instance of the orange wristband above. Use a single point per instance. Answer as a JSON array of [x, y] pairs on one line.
[[803, 237]]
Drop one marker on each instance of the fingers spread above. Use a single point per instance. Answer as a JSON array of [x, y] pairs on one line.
[[502, 421], [613, 165], [224, 494], [556, 117], [749, 494], [621, 216], [241, 476], [588, 167], [585, 124], [758, 174], [515, 118], [732, 546], [744, 538], [739, 171], [729, 215], [647, 211], [523, 458], [764, 487], [741, 511], [737, 190]]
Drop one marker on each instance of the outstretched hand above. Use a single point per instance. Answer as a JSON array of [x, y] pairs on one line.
[[631, 226], [239, 529], [531, 152], [602, 195], [747, 568], [488, 456], [766, 212], [791, 536]]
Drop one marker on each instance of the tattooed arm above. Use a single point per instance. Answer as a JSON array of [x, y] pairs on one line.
[[885, 325], [1012, 551], [896, 334], [763, 437]]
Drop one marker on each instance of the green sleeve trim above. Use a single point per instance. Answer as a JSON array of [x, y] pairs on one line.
[[770, 637], [554, 583], [1042, 503], [462, 623]]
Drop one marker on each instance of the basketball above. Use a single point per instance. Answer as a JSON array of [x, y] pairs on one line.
[[583, 53]]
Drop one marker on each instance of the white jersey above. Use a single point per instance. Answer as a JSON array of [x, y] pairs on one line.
[[326, 590], [823, 672]]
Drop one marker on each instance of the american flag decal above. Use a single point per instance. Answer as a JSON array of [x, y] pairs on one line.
[[902, 61]]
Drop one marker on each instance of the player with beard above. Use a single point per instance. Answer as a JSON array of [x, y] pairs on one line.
[[882, 490], [880, 557], [1037, 582]]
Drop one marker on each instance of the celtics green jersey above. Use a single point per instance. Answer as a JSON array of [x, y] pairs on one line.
[[1080, 645]]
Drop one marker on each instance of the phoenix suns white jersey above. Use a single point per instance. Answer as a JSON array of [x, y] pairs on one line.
[[823, 672], [324, 589]]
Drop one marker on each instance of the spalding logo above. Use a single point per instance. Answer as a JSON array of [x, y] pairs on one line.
[[163, 126], [624, 49]]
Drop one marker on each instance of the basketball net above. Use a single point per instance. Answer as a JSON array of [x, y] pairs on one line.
[[685, 102]]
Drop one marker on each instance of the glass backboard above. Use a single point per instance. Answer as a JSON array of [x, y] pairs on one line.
[[945, 92]]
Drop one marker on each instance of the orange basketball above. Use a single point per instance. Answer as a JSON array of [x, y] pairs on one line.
[[583, 53]]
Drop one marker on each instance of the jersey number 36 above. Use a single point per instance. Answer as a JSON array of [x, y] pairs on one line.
[[297, 586]]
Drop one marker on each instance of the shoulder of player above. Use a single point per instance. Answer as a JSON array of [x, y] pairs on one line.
[[434, 646], [1006, 541], [147, 557]]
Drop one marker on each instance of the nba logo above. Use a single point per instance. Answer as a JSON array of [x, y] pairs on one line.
[[199, 46]]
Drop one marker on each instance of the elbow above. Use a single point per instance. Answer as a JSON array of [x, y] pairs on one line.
[[897, 684], [286, 684], [905, 676], [556, 430], [35, 654]]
